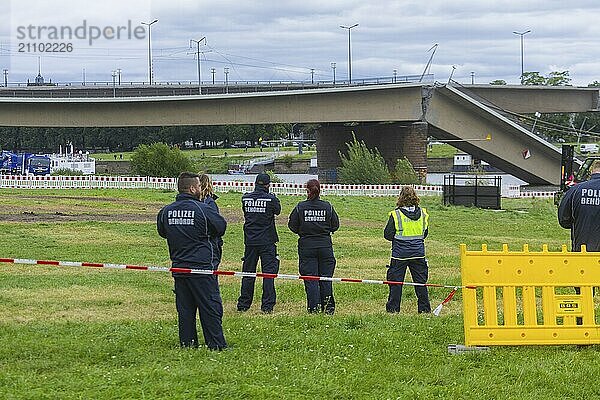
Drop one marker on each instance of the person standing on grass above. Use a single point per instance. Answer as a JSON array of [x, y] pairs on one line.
[[407, 227], [193, 230], [579, 211], [260, 237], [314, 220], [208, 196]]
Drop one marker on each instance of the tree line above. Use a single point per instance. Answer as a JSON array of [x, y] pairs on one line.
[[128, 138]]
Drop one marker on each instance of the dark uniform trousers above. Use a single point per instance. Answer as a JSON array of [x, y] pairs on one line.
[[269, 263], [318, 262], [396, 272], [199, 293]]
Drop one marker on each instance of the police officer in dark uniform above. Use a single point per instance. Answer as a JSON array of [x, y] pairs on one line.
[[193, 230], [260, 237], [579, 210], [314, 220]]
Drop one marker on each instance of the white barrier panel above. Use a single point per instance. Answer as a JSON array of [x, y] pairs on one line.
[[294, 189], [543, 195]]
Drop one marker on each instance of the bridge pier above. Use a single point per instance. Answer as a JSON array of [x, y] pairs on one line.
[[393, 140]]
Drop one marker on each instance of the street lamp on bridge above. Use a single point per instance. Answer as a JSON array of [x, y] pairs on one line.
[[149, 24], [349, 52], [522, 34], [333, 69]]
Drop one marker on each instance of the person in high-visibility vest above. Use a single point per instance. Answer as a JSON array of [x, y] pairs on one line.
[[407, 227]]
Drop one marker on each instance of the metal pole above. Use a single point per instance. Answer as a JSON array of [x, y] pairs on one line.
[[114, 75], [472, 77], [349, 52], [395, 73], [333, 68], [226, 70], [522, 53], [198, 55], [312, 75], [213, 71], [5, 77], [149, 24], [119, 75]]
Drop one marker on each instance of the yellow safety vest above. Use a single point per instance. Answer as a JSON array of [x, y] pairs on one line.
[[409, 229]]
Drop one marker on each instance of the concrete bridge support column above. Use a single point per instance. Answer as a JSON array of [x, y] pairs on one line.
[[393, 140], [414, 147], [331, 139]]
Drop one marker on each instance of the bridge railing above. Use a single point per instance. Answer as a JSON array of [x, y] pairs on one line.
[[174, 88]]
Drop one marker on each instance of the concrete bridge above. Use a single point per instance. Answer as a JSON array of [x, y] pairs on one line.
[[396, 118]]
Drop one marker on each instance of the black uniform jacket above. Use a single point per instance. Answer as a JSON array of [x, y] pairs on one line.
[[314, 221], [260, 208], [579, 211], [193, 230]]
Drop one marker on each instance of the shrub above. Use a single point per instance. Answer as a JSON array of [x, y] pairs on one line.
[[362, 165], [160, 160], [66, 172], [404, 173], [287, 160], [274, 178]]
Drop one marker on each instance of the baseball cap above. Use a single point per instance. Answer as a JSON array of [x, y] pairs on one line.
[[263, 179]]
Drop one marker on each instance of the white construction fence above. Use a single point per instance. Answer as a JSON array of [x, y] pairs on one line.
[[144, 182]]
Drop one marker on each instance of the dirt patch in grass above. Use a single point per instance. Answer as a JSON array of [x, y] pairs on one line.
[[24, 208], [30, 216]]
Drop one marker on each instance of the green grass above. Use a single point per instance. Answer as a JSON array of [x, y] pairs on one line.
[[73, 333], [441, 151]]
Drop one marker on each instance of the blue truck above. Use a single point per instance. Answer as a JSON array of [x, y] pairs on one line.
[[24, 163]]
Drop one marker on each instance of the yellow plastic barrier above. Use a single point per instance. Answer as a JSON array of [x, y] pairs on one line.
[[528, 298]]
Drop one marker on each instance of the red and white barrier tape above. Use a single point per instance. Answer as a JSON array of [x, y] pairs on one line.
[[233, 273]]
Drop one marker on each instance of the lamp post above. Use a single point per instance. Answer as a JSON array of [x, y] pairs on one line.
[[349, 52], [472, 77], [333, 69], [119, 75], [522, 34], [5, 77], [213, 71], [226, 71], [395, 73], [312, 75], [114, 76], [149, 49], [198, 55]]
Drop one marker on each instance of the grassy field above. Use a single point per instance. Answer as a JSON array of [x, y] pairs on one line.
[[441, 150], [76, 333]]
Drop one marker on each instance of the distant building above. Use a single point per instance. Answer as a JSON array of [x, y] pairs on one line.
[[39, 79]]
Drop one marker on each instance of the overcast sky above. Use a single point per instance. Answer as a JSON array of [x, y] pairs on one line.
[[283, 40]]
